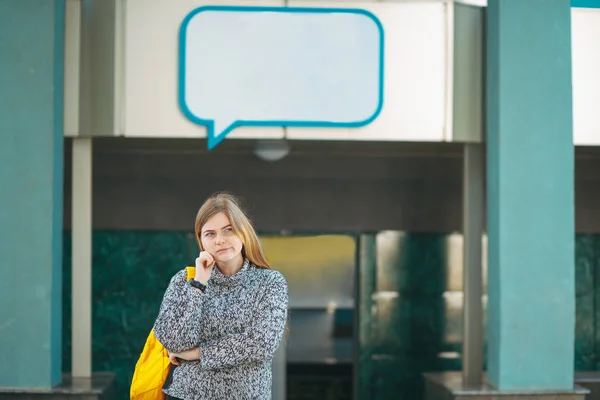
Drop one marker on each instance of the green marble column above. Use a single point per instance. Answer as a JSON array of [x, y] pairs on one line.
[[31, 175], [402, 278], [367, 275]]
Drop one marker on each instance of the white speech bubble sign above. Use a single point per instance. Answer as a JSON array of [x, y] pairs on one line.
[[280, 66]]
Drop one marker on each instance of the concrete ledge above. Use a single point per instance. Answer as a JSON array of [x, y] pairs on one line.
[[99, 387], [591, 381], [449, 386]]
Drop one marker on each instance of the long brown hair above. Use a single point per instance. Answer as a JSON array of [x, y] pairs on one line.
[[230, 206]]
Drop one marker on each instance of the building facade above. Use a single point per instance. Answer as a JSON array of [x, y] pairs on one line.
[[475, 179]]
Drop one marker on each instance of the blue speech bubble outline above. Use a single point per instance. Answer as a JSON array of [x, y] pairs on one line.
[[213, 140]]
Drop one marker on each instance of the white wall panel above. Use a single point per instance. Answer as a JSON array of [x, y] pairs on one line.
[[585, 26]]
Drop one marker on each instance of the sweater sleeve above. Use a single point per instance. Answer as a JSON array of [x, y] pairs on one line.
[[177, 326], [258, 342]]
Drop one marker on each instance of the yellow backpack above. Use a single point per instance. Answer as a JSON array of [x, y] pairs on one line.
[[152, 368]]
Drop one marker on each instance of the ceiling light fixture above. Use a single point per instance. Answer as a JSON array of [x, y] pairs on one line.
[[272, 150]]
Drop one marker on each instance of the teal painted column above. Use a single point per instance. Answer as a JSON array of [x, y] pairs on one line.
[[530, 167], [31, 179]]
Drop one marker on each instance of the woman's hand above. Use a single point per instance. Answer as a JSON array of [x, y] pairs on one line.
[[204, 266], [173, 358], [188, 355]]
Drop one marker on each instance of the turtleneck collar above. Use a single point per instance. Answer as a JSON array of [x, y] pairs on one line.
[[218, 278]]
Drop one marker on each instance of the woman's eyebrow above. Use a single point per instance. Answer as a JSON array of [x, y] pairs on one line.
[[212, 230]]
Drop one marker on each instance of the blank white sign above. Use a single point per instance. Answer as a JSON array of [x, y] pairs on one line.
[[280, 66]]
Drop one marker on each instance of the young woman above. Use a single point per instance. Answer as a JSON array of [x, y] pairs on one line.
[[222, 327]]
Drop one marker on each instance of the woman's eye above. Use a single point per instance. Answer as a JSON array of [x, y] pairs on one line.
[[209, 234]]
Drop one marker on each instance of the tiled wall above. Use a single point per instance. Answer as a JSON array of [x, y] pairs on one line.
[[402, 336]]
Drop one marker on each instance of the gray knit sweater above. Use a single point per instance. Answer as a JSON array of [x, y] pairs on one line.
[[238, 324]]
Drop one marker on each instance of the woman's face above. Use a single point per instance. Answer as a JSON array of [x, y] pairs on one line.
[[217, 237]]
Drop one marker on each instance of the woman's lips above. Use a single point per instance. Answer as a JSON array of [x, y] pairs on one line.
[[222, 250]]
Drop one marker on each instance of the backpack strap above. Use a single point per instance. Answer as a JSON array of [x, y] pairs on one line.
[[191, 272]]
